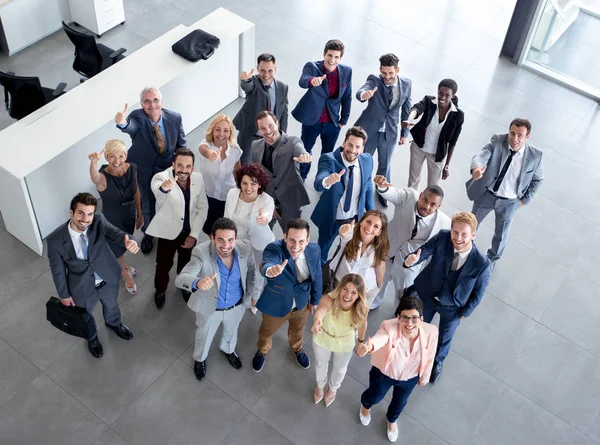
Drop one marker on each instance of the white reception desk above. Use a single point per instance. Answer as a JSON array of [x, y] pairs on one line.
[[43, 157]]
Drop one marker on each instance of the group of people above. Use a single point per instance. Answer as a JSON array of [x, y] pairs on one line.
[[245, 184]]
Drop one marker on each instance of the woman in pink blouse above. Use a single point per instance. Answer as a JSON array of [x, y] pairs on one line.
[[402, 351]]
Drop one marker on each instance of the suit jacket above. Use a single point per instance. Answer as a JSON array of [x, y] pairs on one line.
[[378, 108], [276, 297], [204, 264], [74, 277], [167, 223], [473, 276], [494, 154], [324, 215], [144, 149], [285, 183], [401, 226], [257, 100], [310, 107]]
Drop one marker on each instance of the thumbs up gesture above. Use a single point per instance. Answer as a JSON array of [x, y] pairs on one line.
[[364, 348], [131, 245], [381, 181], [121, 116], [317, 326], [246, 74], [261, 219], [167, 184], [346, 230], [366, 95], [412, 258], [304, 158], [334, 178], [276, 270], [214, 155], [478, 172], [206, 283], [316, 81], [95, 157]]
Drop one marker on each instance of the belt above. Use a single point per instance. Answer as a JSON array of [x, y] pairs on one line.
[[231, 307], [345, 221], [294, 309], [437, 302], [100, 284], [496, 195]]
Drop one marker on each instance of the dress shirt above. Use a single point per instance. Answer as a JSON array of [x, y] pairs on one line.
[[218, 175], [333, 90], [272, 90], [267, 160], [395, 98], [396, 360], [76, 240], [302, 272], [510, 183], [161, 127], [230, 283], [353, 211], [433, 130], [462, 257], [424, 229], [362, 265]]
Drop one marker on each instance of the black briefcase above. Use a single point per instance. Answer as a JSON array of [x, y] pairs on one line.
[[197, 45], [72, 320]]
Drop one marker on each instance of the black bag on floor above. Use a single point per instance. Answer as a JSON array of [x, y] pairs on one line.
[[72, 320], [197, 45]]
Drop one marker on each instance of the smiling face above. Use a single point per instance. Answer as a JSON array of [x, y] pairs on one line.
[[389, 74], [462, 236], [269, 129], [331, 59], [410, 319], [444, 97], [266, 72], [152, 105], [224, 241], [82, 217], [221, 133], [296, 241], [428, 203], [116, 160], [348, 295], [517, 136], [183, 167], [352, 148], [249, 187], [370, 227]]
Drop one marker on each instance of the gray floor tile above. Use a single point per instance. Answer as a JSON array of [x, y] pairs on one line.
[[16, 371], [146, 25], [591, 441], [390, 14], [511, 418], [595, 433], [109, 437], [253, 430]]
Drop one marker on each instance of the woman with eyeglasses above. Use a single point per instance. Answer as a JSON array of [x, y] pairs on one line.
[[402, 353], [121, 201]]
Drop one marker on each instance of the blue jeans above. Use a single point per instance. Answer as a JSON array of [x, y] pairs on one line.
[[385, 149], [379, 384], [329, 133], [449, 321]]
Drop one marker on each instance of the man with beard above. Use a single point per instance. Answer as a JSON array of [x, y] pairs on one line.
[[181, 208]]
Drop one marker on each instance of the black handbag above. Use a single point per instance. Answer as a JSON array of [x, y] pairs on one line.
[[329, 278], [197, 45], [72, 320]]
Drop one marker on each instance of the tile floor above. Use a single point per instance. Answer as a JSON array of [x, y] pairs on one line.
[[524, 369]]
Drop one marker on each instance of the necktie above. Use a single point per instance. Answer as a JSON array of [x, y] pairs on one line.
[[84, 249], [416, 227], [390, 92], [454, 265], [268, 87], [160, 139], [349, 187], [504, 170]]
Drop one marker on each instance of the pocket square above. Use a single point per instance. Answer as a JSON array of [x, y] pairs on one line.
[[344, 85]]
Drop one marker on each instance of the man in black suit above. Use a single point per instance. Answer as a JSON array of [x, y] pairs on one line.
[[263, 92], [84, 267]]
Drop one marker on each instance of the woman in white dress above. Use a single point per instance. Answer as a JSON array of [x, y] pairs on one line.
[[249, 206], [219, 158]]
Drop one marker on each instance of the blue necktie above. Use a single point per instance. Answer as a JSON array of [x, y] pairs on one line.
[[84, 249], [349, 187]]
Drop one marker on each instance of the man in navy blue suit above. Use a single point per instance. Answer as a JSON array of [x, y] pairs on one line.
[[292, 290], [454, 281], [156, 134], [325, 107], [344, 177]]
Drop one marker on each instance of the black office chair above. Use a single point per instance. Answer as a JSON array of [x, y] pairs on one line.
[[91, 58], [24, 95]]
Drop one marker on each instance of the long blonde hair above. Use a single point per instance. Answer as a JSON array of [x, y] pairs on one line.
[[211, 127], [360, 309]]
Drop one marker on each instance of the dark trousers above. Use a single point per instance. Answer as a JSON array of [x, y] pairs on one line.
[[165, 253], [385, 150], [216, 210], [379, 384], [107, 294], [449, 321], [148, 204], [285, 214], [245, 143], [329, 133]]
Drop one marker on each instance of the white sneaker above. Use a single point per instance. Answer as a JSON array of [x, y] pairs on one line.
[[365, 420], [392, 435]]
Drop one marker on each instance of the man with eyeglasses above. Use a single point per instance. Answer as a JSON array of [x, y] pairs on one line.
[[454, 281]]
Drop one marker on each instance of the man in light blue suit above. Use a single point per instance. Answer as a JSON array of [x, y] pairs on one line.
[[344, 177], [505, 175], [389, 99]]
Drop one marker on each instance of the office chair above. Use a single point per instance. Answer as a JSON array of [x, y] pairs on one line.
[[24, 95], [91, 58]]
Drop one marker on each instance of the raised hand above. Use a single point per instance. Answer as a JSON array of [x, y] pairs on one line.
[[408, 123], [478, 172], [334, 178], [364, 348], [95, 157], [366, 95], [276, 270], [214, 155], [131, 245], [412, 258], [190, 242], [246, 74], [381, 181], [346, 229], [303, 158], [261, 219], [167, 184], [121, 116], [206, 283], [316, 81], [317, 326]]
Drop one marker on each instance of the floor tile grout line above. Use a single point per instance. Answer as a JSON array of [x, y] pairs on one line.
[[484, 412]]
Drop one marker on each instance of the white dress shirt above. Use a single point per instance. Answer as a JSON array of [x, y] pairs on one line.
[[424, 229], [76, 239], [302, 272], [218, 175], [462, 257], [510, 184], [353, 211], [433, 130]]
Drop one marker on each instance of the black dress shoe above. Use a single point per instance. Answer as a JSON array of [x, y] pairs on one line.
[[234, 360], [200, 370], [122, 331], [147, 244], [436, 372], [159, 299], [186, 295], [382, 200], [95, 347]]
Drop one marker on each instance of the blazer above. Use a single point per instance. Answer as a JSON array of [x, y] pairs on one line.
[[473, 276], [450, 131], [203, 263], [167, 223], [378, 108], [276, 297], [324, 215], [285, 183], [144, 149], [402, 223], [74, 277], [310, 107], [494, 154], [264, 202], [257, 100]]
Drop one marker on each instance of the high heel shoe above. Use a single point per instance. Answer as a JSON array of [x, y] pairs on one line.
[[317, 397], [132, 290], [132, 270], [329, 397]]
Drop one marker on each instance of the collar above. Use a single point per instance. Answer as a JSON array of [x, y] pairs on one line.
[[276, 144], [220, 261], [424, 218], [452, 106], [74, 233], [348, 164], [465, 253], [395, 84], [518, 152], [160, 121], [329, 73]]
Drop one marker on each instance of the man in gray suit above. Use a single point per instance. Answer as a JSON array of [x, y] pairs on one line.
[[84, 268], [280, 155], [505, 175], [387, 94], [263, 92], [221, 276]]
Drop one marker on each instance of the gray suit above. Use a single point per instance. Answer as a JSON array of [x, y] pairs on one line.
[[204, 303], [74, 277], [285, 184], [494, 155]]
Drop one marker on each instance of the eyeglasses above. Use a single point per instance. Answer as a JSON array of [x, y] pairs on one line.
[[415, 319]]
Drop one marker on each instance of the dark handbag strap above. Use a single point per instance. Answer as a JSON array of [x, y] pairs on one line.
[[340, 261]]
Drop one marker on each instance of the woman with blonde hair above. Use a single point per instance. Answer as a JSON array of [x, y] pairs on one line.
[[337, 318], [220, 157], [121, 200]]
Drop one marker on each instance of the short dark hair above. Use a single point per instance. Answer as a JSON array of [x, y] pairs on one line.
[[255, 171], [435, 189], [87, 199], [182, 151], [409, 302], [334, 45], [449, 83], [223, 224], [298, 224], [389, 59], [521, 122], [358, 132], [265, 57], [264, 114]]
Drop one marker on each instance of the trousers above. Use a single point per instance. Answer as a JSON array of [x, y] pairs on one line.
[[270, 325], [338, 371], [165, 253], [379, 384], [417, 159], [206, 328], [329, 133], [385, 149]]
